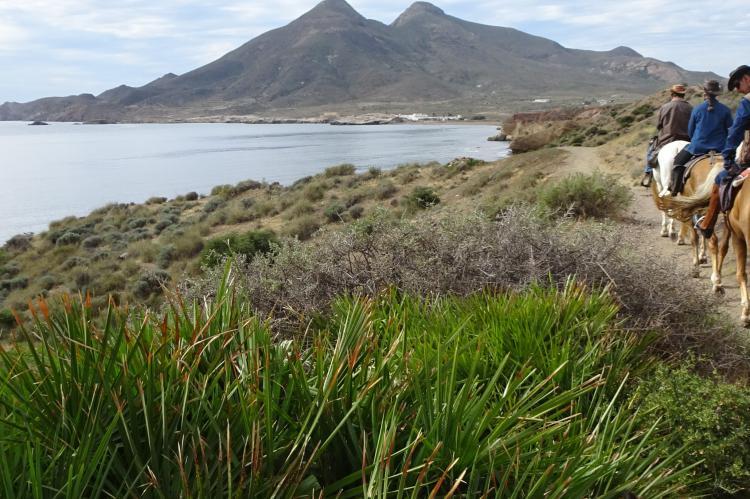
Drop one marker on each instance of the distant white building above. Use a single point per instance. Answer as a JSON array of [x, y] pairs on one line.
[[426, 117], [541, 101]]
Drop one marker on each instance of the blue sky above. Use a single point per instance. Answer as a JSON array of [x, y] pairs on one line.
[[63, 47]]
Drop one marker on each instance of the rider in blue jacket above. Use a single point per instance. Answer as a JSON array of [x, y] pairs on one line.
[[739, 79], [708, 125]]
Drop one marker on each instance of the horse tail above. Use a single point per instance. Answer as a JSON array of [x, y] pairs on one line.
[[658, 201], [683, 207]]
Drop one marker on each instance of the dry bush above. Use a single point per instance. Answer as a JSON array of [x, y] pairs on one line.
[[460, 254]]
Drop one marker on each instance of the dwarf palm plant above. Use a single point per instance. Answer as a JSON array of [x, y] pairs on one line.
[[511, 395]]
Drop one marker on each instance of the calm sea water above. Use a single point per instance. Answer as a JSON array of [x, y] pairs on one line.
[[49, 172]]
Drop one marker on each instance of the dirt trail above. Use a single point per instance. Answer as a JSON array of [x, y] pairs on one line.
[[645, 219]]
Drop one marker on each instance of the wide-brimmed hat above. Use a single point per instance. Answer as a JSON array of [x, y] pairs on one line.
[[679, 88], [736, 75], [712, 87]]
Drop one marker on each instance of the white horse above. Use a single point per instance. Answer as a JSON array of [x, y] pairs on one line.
[[662, 178]]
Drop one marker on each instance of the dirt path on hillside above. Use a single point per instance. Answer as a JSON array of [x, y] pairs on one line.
[[645, 219]]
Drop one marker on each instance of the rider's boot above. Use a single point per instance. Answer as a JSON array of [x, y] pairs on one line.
[[677, 182], [646, 180], [706, 223]]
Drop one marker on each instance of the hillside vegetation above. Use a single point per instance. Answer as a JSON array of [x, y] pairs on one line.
[[467, 329]]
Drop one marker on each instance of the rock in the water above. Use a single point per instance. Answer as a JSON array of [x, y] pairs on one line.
[[38, 123]]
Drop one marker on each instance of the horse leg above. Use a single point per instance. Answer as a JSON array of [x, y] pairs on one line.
[[740, 251], [702, 258], [684, 233], [672, 230], [664, 227], [717, 260], [694, 245]]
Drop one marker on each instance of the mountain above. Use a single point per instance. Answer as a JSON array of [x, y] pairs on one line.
[[332, 58]]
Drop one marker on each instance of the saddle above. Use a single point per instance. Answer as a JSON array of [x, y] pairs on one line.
[[690, 164], [680, 177], [727, 193]]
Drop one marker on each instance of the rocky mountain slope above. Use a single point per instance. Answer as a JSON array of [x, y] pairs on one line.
[[333, 59]]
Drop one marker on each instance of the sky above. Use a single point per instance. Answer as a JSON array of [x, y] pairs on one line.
[[65, 47]]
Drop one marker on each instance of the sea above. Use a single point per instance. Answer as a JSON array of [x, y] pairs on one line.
[[62, 169]]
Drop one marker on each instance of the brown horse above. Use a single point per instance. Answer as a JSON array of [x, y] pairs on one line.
[[698, 175], [737, 221]]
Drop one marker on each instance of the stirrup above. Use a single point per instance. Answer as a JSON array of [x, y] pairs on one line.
[[706, 233]]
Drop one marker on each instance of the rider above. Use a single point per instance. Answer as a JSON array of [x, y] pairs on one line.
[[673, 124], [708, 127], [739, 79]]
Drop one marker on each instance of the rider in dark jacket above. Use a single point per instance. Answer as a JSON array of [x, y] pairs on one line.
[[672, 125]]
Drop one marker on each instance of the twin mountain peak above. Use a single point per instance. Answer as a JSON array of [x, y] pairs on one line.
[[334, 59]]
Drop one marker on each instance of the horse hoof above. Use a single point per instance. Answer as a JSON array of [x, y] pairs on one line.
[[745, 321], [695, 273], [703, 260], [664, 234], [673, 237], [681, 242], [719, 290]]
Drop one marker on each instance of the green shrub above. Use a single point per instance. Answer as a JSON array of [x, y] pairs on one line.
[[167, 254], [81, 278], [644, 110], [709, 418], [302, 182], [220, 190], [356, 211], [299, 209], [137, 234], [111, 282], [7, 319], [10, 270], [385, 190], [191, 196], [303, 227], [247, 245], [247, 203], [165, 222], [314, 192], [145, 250], [137, 223], [578, 195], [68, 238], [264, 208], [626, 120], [14, 283], [374, 172], [156, 200], [340, 170], [19, 242], [47, 282], [150, 282], [422, 198], [247, 185], [335, 212], [188, 244], [213, 204], [92, 242], [73, 262]]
